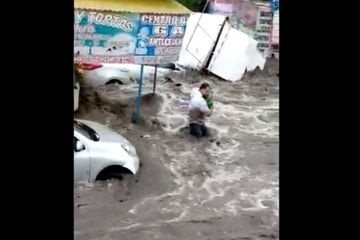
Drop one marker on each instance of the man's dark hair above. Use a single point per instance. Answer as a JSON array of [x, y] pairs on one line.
[[204, 85]]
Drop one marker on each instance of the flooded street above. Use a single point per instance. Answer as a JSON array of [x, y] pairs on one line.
[[223, 187]]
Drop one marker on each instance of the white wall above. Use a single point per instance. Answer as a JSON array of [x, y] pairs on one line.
[[235, 53], [202, 41]]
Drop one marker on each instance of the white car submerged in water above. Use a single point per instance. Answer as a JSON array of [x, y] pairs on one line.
[[101, 154], [99, 74]]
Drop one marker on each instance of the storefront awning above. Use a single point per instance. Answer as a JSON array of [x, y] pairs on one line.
[[132, 6]]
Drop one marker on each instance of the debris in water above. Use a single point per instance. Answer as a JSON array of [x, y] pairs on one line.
[[168, 79], [82, 205], [267, 236]]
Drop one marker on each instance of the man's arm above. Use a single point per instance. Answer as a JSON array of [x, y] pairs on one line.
[[204, 108]]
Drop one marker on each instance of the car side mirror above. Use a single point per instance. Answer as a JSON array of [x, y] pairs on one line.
[[79, 146]]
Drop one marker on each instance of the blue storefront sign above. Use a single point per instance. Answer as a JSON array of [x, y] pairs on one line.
[[128, 37], [159, 38], [105, 36], [275, 5]]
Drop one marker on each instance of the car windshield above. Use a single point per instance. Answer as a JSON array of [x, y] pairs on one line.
[[86, 131]]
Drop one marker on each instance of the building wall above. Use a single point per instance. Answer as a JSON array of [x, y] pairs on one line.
[[253, 18]]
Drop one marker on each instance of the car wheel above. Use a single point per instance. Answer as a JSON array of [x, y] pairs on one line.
[[113, 82], [111, 176], [112, 172], [116, 176]]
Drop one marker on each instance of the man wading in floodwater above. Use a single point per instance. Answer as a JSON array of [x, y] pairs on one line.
[[199, 107]]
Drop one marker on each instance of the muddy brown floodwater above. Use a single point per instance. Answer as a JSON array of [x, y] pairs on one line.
[[223, 187]]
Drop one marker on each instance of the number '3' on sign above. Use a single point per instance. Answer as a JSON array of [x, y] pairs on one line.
[[176, 31]]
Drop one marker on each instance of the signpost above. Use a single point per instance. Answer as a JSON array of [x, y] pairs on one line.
[[138, 98]]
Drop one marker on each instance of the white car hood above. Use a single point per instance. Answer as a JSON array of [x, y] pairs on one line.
[[106, 135]]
